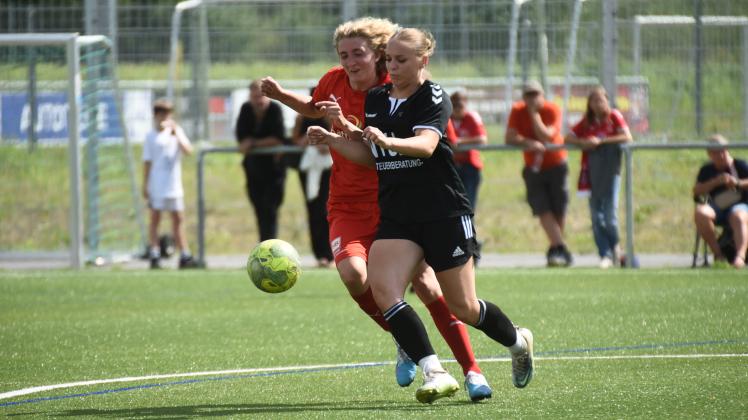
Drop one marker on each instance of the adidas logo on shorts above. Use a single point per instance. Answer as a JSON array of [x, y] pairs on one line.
[[458, 252]]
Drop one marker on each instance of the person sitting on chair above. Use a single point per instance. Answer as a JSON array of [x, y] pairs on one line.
[[724, 182]]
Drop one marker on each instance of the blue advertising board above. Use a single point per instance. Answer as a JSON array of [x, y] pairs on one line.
[[52, 117]]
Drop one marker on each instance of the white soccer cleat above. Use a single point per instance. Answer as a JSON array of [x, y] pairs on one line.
[[522, 363], [436, 384]]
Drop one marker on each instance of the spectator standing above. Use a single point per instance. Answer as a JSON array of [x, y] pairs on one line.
[[162, 181], [601, 132], [260, 125], [470, 130], [535, 123], [725, 181], [313, 167]]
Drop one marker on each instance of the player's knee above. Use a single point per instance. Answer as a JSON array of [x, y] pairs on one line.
[[426, 287], [466, 311], [353, 276]]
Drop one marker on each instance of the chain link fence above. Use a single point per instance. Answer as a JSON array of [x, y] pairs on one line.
[[678, 79], [680, 68]]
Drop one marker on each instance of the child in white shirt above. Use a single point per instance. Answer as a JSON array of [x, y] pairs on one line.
[[162, 180]]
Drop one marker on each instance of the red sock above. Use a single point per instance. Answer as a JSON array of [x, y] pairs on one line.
[[369, 306], [455, 334]]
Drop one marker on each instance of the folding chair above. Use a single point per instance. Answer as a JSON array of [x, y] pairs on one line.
[[705, 254]]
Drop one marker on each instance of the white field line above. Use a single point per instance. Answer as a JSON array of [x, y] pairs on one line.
[[36, 389]]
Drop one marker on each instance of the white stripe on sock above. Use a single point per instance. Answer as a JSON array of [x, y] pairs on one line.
[[394, 309]]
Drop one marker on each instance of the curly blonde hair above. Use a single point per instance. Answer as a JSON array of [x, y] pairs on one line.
[[376, 31]]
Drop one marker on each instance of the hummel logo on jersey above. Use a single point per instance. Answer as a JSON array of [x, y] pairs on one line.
[[457, 252], [371, 115], [436, 94]]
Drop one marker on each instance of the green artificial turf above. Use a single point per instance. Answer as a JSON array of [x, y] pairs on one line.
[[615, 344]]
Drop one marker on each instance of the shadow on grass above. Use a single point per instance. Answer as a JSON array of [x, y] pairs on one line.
[[222, 410]]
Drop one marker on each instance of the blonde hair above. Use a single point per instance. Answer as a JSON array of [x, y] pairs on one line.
[[421, 41], [376, 32]]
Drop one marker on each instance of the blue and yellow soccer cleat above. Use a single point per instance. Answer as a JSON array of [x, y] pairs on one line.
[[405, 369], [436, 384], [477, 386]]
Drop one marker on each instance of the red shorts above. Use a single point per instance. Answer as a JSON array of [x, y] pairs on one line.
[[353, 227]]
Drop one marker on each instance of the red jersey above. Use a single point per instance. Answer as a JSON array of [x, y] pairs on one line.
[[349, 182], [611, 126], [470, 125]]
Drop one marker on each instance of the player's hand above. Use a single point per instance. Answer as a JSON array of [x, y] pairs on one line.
[[331, 109], [374, 135], [318, 135], [270, 87]]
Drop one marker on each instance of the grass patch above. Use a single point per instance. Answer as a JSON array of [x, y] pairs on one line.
[[64, 326]]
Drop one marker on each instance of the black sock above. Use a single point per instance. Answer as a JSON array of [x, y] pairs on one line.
[[495, 324], [408, 330]]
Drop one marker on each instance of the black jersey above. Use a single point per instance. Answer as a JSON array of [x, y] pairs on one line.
[[415, 189]]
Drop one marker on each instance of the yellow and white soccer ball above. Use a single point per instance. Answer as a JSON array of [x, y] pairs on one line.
[[274, 266]]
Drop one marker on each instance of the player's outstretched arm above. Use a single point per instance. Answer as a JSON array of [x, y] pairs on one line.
[[299, 103], [421, 145], [335, 115], [352, 148]]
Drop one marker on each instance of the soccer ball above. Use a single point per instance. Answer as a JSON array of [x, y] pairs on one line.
[[273, 266]]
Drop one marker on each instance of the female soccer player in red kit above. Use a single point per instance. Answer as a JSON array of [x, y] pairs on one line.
[[353, 212]]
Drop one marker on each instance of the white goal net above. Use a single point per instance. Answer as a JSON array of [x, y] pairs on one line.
[[67, 177]]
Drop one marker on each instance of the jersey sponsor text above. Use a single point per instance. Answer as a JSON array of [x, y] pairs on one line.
[[399, 164]]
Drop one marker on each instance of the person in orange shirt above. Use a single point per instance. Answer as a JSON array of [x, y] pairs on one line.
[[535, 123], [352, 207]]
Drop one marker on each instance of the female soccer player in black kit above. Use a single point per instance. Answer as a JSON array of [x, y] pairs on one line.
[[425, 213]]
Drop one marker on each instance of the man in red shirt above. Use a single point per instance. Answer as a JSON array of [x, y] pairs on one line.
[[533, 124]]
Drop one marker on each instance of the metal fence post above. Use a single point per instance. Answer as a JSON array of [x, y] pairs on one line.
[[744, 58], [609, 49], [76, 177], [201, 207], [698, 64], [628, 153]]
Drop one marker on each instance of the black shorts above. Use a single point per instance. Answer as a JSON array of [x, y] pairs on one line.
[[446, 243], [547, 190]]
